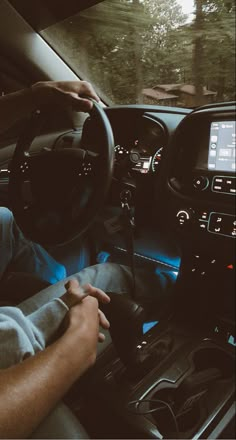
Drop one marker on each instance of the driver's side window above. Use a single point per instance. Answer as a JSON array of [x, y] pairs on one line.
[[11, 80]]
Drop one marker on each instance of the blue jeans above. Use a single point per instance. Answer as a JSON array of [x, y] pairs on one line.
[[18, 254], [22, 255]]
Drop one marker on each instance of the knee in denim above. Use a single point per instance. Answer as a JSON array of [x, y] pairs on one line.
[[6, 216]]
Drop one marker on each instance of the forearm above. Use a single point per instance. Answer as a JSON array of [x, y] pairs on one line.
[[43, 94], [30, 390], [15, 106]]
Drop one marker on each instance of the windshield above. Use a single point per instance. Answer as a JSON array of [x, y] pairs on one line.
[[164, 52]]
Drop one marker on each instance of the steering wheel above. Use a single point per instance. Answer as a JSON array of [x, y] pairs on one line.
[[55, 194]]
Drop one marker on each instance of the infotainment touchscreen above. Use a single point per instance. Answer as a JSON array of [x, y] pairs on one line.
[[221, 155]]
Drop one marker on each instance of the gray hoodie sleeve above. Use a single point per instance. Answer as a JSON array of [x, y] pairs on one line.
[[22, 336]]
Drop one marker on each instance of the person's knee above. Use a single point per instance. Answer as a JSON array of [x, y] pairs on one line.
[[6, 224], [6, 217]]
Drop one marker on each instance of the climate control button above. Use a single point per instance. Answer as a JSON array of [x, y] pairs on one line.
[[184, 217], [222, 224]]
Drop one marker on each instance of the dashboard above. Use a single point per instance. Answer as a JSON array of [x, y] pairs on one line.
[[200, 176], [181, 164]]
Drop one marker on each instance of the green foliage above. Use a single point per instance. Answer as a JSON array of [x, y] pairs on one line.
[[219, 47], [123, 46]]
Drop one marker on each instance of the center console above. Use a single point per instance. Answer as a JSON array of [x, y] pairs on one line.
[[181, 383]]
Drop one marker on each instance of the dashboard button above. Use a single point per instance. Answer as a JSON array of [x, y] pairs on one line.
[[203, 226], [134, 157], [217, 188], [223, 224], [200, 183], [203, 215], [224, 185], [184, 217]]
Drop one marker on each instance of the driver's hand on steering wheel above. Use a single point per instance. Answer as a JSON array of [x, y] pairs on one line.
[[62, 93], [75, 294]]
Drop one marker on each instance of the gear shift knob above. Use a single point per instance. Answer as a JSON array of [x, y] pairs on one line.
[[126, 328], [126, 319]]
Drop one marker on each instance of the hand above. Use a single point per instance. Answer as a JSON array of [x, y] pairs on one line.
[[75, 294], [63, 93], [82, 333]]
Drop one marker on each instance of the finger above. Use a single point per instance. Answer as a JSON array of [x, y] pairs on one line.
[[80, 104], [72, 286], [97, 293], [101, 337], [85, 88], [103, 320], [72, 283], [88, 303], [77, 89]]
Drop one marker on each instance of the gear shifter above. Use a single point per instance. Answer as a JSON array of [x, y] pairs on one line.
[[126, 319], [126, 323]]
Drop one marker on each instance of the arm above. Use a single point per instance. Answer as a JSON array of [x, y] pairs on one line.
[[16, 105], [47, 319], [30, 390], [23, 336]]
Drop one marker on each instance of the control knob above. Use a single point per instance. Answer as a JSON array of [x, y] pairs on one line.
[[200, 183], [185, 217]]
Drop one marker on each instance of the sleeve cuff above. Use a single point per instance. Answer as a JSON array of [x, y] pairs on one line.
[[47, 320]]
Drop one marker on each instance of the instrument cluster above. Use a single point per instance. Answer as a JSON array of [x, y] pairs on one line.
[[142, 153]]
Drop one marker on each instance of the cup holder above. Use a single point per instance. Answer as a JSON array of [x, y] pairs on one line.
[[212, 357], [181, 408], [171, 418]]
